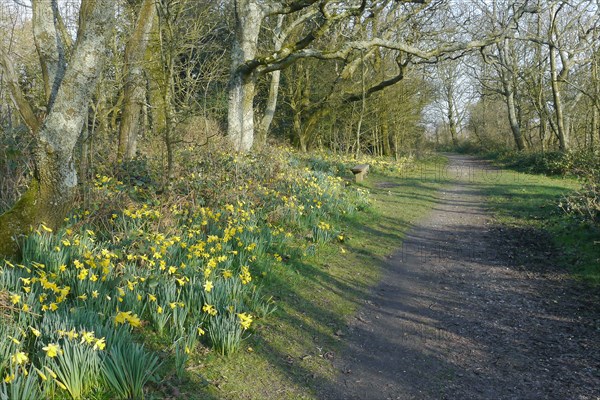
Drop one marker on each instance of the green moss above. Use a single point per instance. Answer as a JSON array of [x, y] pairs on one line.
[[32, 209], [18, 220]]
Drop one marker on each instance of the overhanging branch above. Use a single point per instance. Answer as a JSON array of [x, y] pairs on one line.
[[381, 85]]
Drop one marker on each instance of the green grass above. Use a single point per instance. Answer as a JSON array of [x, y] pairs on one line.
[[289, 357], [533, 201]]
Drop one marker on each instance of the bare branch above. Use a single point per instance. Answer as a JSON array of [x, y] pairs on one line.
[[402, 64], [12, 81]]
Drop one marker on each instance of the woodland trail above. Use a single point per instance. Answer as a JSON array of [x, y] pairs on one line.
[[457, 317]]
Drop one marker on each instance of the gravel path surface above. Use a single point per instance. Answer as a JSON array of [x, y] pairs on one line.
[[455, 317]]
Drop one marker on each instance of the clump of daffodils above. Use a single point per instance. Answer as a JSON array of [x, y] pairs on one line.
[[170, 268]]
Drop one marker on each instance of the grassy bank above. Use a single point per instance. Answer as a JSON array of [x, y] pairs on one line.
[[290, 356], [532, 201]]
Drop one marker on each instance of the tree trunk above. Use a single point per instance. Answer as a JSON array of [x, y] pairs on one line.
[[385, 133], [595, 127], [51, 191], [170, 125], [452, 119], [509, 94], [595, 102], [135, 87], [267, 119], [49, 46], [303, 143], [396, 147], [363, 105], [240, 114], [558, 103], [358, 131], [307, 135], [513, 119], [240, 118]]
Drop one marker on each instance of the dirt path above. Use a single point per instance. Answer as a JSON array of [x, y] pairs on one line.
[[456, 318]]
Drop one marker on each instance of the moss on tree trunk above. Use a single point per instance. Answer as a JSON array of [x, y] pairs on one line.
[[37, 205]]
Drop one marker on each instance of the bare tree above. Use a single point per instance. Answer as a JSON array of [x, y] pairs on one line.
[[68, 91], [248, 61], [539, 63], [455, 95], [135, 86], [503, 59], [566, 38]]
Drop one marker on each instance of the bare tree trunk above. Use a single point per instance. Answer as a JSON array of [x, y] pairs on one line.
[[267, 119], [240, 118], [509, 95], [594, 127], [170, 151], [396, 147], [385, 133], [595, 103], [376, 141], [513, 118], [303, 143], [48, 45], [358, 131], [84, 152], [307, 136], [296, 118], [363, 106], [50, 193], [170, 123], [135, 87], [452, 119], [558, 104]]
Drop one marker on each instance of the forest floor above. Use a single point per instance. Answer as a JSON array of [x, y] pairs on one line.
[[470, 308]]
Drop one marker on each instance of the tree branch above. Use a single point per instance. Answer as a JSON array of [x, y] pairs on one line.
[[272, 8], [381, 85], [347, 48], [12, 81], [47, 44]]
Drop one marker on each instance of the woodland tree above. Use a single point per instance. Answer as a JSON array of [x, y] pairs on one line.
[[248, 61], [68, 85], [134, 94]]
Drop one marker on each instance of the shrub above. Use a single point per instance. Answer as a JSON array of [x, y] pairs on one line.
[[585, 202]]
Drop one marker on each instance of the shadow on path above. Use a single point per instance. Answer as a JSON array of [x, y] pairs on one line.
[[467, 310]]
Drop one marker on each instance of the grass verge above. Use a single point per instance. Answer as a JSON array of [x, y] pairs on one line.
[[522, 200], [290, 356]]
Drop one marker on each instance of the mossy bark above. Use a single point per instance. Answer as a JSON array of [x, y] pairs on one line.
[[37, 205], [17, 220]]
